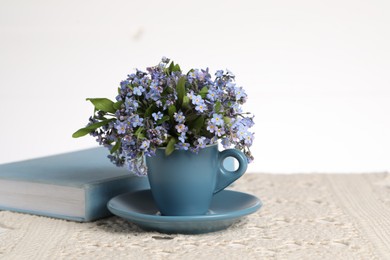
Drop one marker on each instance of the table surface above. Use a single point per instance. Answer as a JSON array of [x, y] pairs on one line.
[[328, 216]]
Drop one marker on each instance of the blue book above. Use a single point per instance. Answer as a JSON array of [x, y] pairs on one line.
[[73, 186]]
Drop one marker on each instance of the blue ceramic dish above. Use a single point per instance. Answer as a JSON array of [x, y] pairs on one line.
[[226, 208]]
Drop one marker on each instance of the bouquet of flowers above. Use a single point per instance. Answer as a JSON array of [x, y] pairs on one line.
[[165, 108]]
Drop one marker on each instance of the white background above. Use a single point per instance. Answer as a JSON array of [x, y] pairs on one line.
[[317, 72]]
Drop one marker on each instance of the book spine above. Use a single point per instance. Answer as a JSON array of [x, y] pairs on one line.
[[98, 194]]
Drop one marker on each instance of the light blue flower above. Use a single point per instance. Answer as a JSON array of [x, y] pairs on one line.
[[212, 95], [242, 132], [201, 107], [217, 119], [190, 94], [239, 92], [183, 137], [157, 116], [179, 117], [236, 108], [138, 90], [197, 100], [219, 73], [248, 140], [247, 122]]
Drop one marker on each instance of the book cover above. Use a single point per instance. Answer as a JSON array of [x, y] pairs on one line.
[[73, 186]]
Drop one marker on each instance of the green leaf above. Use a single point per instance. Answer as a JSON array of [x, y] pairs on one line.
[[176, 68], [171, 66], [149, 110], [203, 92], [170, 146], [217, 106], [81, 132], [86, 130], [117, 105], [186, 102], [139, 130], [140, 133], [103, 104], [99, 124], [171, 110], [162, 120], [198, 123], [181, 89], [191, 118], [116, 146]]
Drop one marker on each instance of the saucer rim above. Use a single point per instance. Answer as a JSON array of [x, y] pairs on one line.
[[136, 216]]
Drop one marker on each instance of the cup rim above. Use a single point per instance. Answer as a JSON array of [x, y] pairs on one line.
[[207, 146]]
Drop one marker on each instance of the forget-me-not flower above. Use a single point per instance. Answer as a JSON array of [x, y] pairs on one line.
[[157, 116]]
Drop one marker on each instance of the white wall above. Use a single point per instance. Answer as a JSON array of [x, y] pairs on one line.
[[317, 72]]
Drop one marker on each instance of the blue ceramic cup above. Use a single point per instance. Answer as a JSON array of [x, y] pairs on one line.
[[184, 182]]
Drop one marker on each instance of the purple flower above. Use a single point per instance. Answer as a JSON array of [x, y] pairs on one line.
[[202, 141], [121, 127], [136, 121], [220, 108], [211, 127], [131, 104], [181, 128], [200, 75], [182, 146], [220, 131], [226, 143], [145, 145]]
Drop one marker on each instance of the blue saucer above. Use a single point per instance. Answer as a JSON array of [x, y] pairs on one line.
[[226, 208]]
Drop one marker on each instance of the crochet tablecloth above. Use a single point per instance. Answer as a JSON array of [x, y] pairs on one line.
[[305, 216]]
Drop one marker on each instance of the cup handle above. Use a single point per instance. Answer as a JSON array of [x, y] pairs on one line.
[[225, 177]]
